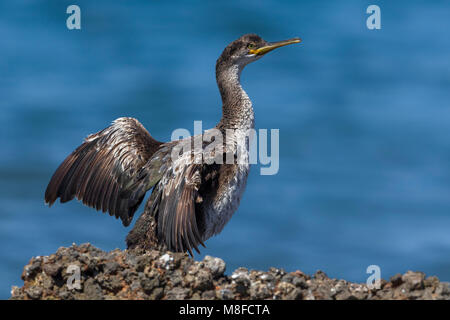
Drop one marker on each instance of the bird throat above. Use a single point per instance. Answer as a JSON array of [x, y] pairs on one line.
[[237, 110]]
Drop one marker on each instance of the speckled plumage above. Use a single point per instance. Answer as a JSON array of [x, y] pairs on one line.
[[191, 201]]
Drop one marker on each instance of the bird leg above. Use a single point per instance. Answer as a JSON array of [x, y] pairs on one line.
[[144, 233]]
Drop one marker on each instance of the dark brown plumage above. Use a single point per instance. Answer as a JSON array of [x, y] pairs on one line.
[[113, 169], [99, 170]]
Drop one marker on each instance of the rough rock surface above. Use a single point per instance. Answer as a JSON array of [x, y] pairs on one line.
[[133, 274]]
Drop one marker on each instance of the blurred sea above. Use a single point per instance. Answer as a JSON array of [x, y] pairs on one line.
[[364, 119]]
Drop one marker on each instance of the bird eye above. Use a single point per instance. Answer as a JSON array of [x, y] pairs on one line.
[[251, 45]]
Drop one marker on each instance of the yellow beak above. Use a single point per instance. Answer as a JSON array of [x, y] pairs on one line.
[[273, 45]]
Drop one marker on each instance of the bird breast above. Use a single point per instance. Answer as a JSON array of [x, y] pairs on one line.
[[232, 183]]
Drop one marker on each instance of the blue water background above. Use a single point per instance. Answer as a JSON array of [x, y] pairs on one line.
[[364, 119]]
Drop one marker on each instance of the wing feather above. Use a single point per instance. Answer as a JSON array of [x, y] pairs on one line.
[[176, 214], [99, 170]]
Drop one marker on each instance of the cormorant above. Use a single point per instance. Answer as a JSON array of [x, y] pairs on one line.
[[190, 202]]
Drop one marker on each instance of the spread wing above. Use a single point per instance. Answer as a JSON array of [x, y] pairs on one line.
[[177, 198], [175, 203], [99, 171]]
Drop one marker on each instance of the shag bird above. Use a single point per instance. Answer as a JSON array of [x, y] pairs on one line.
[[191, 201]]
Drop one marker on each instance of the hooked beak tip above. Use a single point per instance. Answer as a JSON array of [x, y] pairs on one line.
[[273, 45]]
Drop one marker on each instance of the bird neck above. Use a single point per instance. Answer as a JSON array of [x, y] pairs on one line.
[[237, 110]]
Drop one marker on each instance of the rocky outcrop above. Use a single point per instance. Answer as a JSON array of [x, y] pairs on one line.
[[85, 272]]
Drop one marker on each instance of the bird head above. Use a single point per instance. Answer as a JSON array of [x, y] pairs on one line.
[[249, 48]]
